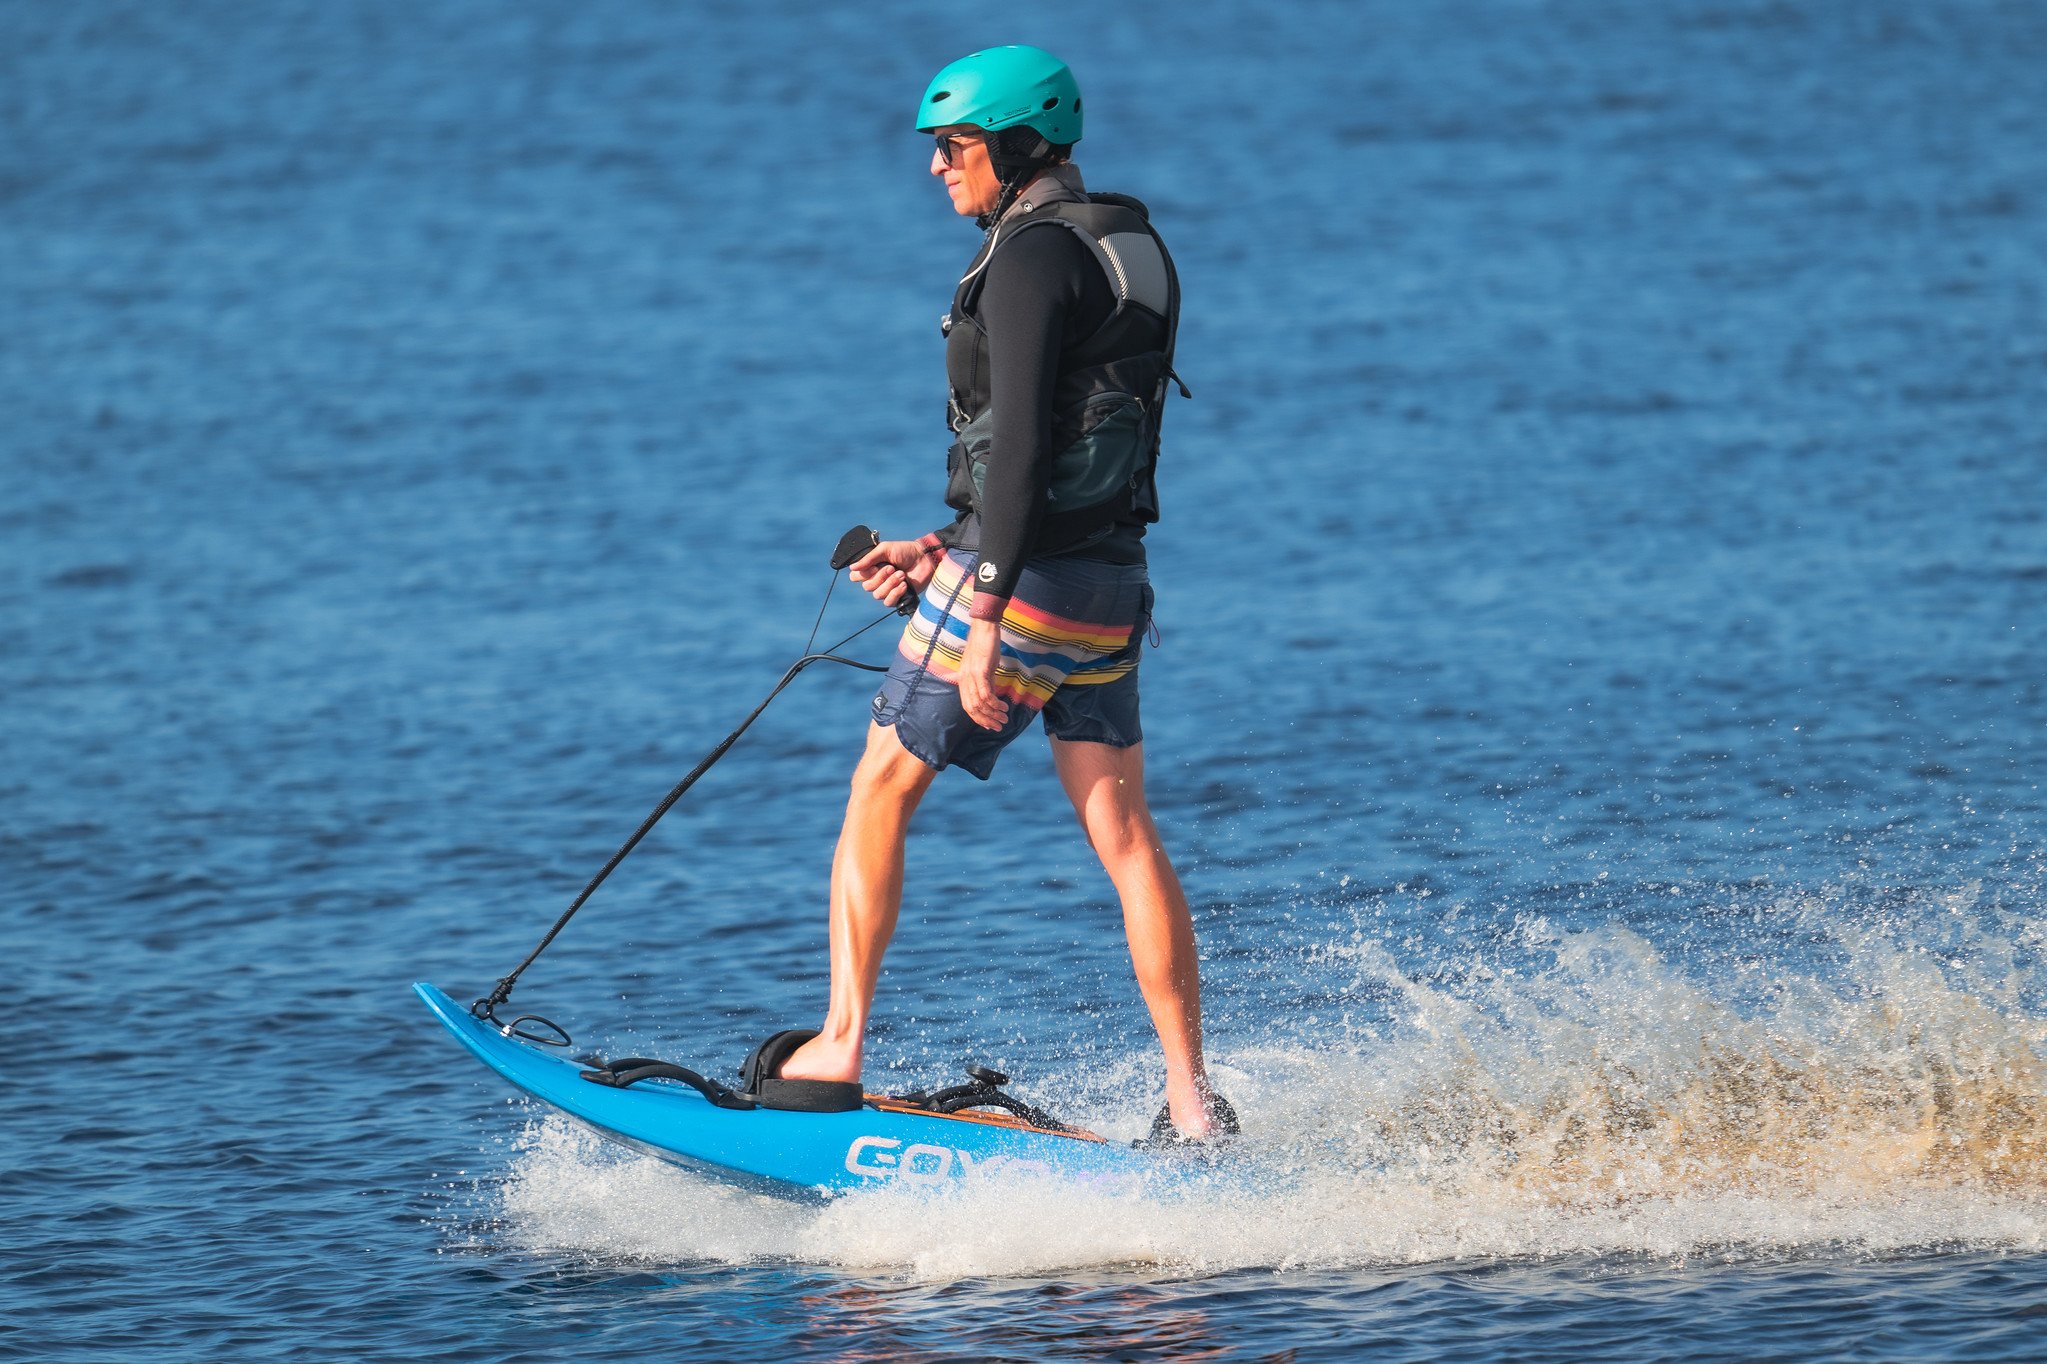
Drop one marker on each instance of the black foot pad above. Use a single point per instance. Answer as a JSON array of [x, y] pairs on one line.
[[764, 1084]]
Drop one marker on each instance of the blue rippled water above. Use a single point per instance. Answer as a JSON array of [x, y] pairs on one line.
[[1599, 714]]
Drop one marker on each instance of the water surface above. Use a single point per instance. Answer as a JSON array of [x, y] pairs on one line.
[[1598, 713]]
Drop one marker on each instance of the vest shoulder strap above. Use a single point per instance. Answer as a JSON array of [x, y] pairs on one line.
[[1123, 243]]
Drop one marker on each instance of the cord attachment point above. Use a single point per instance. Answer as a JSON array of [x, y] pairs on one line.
[[555, 1036], [486, 1009]]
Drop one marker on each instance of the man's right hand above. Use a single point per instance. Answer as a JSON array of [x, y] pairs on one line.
[[894, 567]]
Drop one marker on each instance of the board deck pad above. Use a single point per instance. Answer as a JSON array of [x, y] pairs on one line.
[[794, 1154]]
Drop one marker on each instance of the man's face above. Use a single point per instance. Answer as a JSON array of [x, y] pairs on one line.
[[970, 178]]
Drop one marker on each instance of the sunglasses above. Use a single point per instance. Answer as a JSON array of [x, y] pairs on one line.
[[948, 145]]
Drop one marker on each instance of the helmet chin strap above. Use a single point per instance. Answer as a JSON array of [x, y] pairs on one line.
[[1014, 169], [1010, 189]]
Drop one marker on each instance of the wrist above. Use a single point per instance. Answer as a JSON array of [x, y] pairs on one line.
[[987, 609]]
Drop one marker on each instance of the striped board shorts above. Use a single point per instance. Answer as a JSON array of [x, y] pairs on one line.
[[1070, 640]]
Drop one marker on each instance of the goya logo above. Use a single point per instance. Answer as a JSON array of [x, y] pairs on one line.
[[923, 1163]]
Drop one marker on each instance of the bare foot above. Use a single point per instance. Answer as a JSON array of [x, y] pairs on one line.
[[822, 1059], [1188, 1102]]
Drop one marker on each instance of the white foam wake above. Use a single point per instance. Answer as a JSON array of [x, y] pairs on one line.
[[1602, 1104]]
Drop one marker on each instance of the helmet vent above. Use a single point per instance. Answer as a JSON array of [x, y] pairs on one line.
[[1052, 103], [941, 95]]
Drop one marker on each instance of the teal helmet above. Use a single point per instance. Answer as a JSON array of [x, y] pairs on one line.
[[1005, 87]]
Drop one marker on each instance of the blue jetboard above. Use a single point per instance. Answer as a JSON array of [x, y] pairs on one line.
[[794, 1155]]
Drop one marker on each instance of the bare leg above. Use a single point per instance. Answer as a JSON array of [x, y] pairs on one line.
[[1106, 786], [867, 892]]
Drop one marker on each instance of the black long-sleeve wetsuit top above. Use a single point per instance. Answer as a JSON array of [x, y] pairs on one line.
[[1044, 293]]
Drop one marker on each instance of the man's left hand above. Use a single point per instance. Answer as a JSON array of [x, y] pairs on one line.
[[977, 675]]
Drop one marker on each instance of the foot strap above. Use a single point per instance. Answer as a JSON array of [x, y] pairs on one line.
[[630, 1070], [762, 1078], [985, 1091]]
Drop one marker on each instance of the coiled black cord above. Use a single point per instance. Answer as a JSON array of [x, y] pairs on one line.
[[486, 1007]]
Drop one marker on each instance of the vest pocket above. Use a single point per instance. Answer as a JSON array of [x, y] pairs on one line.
[[966, 464], [1104, 459], [1099, 464]]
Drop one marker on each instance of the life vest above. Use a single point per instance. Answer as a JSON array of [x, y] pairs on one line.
[[1110, 390]]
